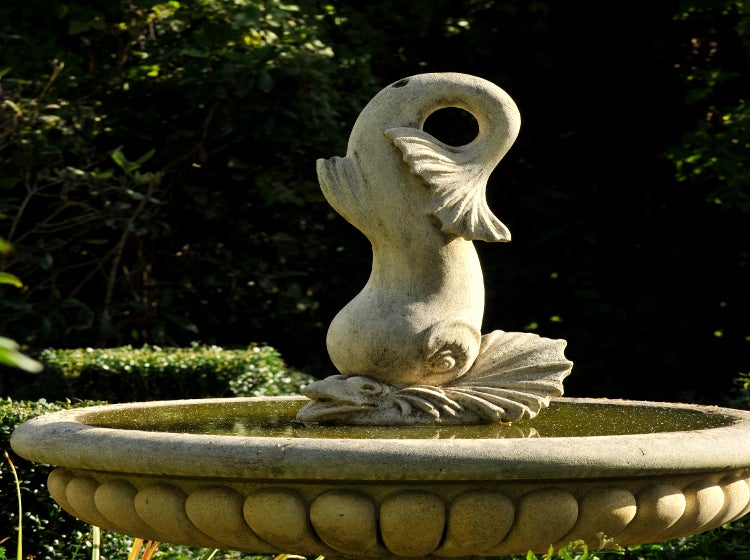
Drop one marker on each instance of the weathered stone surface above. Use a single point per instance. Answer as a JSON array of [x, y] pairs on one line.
[[162, 507], [217, 511], [542, 515], [115, 499], [604, 511], [412, 522], [659, 507], [477, 520], [383, 521], [280, 516], [347, 521]]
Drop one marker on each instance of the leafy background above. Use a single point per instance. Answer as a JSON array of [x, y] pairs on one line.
[[157, 174]]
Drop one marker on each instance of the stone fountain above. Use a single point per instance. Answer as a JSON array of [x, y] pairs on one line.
[[433, 439]]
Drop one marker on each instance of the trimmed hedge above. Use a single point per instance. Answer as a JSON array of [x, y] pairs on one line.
[[86, 377], [152, 373]]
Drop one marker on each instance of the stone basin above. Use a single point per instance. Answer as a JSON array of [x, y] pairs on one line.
[[241, 474]]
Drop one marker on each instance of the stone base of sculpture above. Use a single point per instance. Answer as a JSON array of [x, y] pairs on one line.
[[513, 378]]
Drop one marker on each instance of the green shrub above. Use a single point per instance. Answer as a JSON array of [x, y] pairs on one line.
[[151, 373], [48, 532], [119, 374]]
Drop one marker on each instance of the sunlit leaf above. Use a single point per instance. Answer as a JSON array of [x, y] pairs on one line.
[[11, 356], [8, 278], [5, 247]]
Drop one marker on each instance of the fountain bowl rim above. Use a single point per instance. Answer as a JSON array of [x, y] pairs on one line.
[[64, 438]]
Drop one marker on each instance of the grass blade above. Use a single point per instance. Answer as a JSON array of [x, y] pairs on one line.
[[19, 548]]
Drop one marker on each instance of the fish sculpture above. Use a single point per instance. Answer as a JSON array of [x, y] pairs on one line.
[[409, 347]]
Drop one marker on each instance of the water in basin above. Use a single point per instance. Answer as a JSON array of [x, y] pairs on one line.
[[277, 419]]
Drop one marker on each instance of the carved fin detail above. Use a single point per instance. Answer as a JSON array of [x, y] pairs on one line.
[[458, 181], [344, 187], [516, 373], [515, 360]]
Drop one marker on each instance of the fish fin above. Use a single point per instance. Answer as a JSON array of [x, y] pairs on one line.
[[521, 368], [343, 185], [458, 181]]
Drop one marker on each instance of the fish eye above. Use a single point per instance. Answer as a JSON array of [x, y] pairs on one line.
[[368, 388]]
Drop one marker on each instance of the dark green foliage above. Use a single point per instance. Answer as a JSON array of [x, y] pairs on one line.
[[48, 532], [157, 174], [730, 542], [150, 373], [711, 156], [157, 179]]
